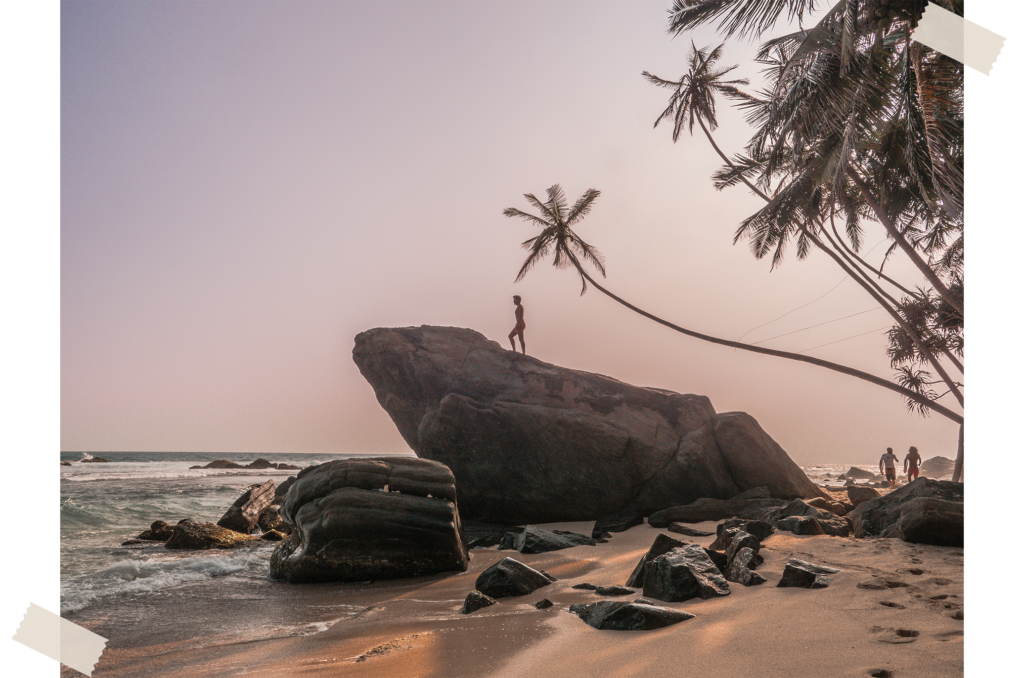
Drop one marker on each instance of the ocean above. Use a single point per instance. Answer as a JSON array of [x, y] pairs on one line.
[[149, 592]]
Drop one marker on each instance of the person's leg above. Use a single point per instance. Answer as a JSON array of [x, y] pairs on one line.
[[522, 342], [512, 340]]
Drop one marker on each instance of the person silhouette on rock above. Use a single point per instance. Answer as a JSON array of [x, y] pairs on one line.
[[520, 325]]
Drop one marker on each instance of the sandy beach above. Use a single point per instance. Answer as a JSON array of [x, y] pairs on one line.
[[891, 608]]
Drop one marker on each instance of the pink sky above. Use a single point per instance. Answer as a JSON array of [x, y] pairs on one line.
[[246, 186]]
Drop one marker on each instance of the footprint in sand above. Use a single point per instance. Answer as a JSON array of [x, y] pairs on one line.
[[889, 603], [898, 636], [881, 673]]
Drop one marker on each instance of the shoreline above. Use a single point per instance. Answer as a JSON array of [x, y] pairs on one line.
[[414, 627]]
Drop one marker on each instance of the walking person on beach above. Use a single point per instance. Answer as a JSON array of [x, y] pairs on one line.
[[520, 325], [889, 461], [911, 463]]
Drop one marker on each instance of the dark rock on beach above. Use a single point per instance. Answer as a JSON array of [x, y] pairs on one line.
[[189, 534], [793, 517], [924, 512], [683, 573], [158, 531], [741, 568], [543, 604], [712, 509], [538, 540], [617, 522], [476, 600], [859, 494], [245, 512], [509, 577], [531, 442], [270, 520], [621, 616], [613, 591], [376, 518], [679, 528], [806, 575], [859, 474], [662, 544]]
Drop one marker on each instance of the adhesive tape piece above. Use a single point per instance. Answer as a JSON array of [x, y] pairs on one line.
[[958, 38], [60, 639]]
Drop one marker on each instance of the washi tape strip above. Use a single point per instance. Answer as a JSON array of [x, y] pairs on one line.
[[958, 38], [60, 639]]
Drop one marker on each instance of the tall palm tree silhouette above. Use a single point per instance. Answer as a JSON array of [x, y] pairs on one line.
[[557, 236]]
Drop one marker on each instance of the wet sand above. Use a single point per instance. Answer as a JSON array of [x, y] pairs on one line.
[[414, 628]]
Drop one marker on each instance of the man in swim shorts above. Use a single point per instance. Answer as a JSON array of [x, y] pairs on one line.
[[911, 463], [520, 325], [889, 460]]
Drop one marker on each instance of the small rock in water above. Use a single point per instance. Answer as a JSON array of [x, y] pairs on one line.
[[476, 600], [543, 604], [509, 577]]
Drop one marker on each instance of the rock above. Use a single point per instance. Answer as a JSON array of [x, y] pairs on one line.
[[531, 442], [753, 493], [803, 525], [621, 616], [925, 512], [742, 540], [819, 502], [740, 568], [724, 538], [806, 575], [859, 474], [683, 573], [538, 540], [245, 512], [95, 460], [585, 587], [273, 535], [543, 604], [662, 544], [617, 522], [828, 522], [712, 509], [270, 519], [189, 534], [509, 577], [858, 495], [614, 591], [837, 508], [287, 467], [550, 577], [65, 463], [220, 463], [347, 530], [475, 600], [158, 531], [137, 542], [759, 529], [260, 463], [679, 528], [936, 467], [282, 490]]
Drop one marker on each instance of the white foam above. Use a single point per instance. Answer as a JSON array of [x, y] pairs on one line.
[[161, 475], [134, 577]]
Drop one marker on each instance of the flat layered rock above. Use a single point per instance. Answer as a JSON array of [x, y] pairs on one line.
[[706, 509], [621, 616], [531, 442], [245, 512], [617, 522], [376, 518], [538, 540]]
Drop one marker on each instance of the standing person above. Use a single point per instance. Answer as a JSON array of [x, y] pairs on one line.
[[889, 461], [520, 325], [911, 463]]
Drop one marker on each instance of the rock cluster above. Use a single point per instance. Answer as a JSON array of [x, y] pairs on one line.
[[925, 512], [259, 464]]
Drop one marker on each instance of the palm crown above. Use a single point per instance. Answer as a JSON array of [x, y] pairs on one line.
[[556, 234]]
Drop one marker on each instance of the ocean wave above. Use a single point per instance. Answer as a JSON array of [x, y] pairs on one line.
[[165, 475], [134, 577]]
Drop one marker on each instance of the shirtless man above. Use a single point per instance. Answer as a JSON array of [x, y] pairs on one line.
[[520, 325], [889, 460], [911, 463]]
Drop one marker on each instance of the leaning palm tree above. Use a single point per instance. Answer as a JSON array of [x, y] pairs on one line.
[[556, 221]]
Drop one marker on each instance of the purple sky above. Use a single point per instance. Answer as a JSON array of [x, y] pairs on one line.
[[246, 186]]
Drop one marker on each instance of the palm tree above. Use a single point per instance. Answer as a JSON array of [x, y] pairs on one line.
[[557, 236]]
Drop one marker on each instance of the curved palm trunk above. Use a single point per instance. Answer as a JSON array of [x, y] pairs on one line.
[[863, 281], [958, 466], [842, 369]]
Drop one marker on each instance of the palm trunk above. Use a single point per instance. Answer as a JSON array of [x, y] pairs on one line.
[[842, 369], [958, 466]]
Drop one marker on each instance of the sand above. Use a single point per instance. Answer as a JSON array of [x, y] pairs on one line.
[[414, 628]]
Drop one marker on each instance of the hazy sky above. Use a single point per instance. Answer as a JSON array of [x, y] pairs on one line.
[[247, 186]]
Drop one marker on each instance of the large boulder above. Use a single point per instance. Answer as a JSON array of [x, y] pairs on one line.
[[376, 518], [245, 512], [531, 442], [925, 512], [683, 573], [859, 494]]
